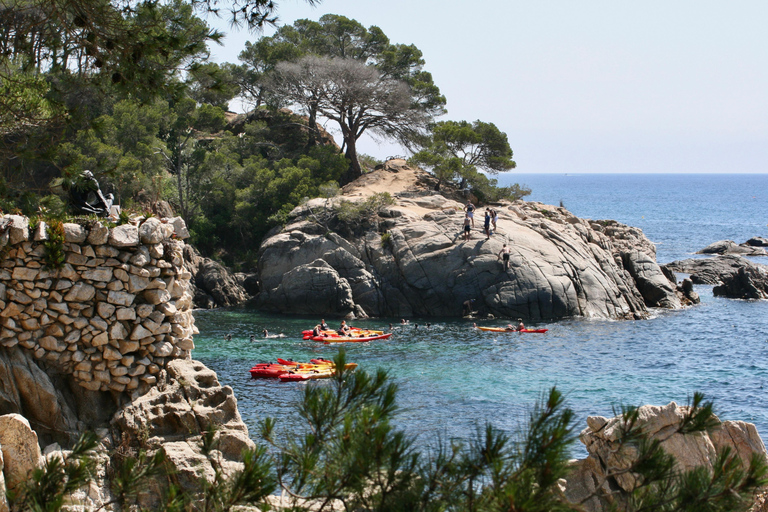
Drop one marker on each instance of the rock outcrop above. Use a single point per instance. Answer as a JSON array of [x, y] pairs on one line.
[[409, 259], [746, 283], [752, 247], [21, 452], [709, 270], [599, 479], [187, 401], [733, 276]]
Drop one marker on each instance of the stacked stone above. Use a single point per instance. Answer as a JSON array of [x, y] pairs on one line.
[[114, 314]]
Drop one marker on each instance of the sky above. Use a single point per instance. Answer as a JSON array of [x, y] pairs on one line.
[[604, 86]]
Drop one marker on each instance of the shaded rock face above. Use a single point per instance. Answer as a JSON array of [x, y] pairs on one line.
[[590, 476], [56, 406], [746, 283], [560, 265], [212, 284], [734, 276]]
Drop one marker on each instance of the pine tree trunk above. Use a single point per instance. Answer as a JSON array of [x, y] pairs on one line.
[[354, 171]]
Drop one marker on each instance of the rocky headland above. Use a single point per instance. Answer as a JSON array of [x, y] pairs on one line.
[[102, 342], [409, 259]]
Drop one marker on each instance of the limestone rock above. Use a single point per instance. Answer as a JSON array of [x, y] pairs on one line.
[[187, 400], [688, 450], [18, 228], [126, 235], [153, 231], [179, 228], [74, 233], [99, 234], [80, 292], [21, 452]]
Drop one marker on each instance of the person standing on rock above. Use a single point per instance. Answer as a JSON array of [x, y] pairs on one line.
[[467, 218], [494, 218], [487, 224], [470, 209], [504, 256]]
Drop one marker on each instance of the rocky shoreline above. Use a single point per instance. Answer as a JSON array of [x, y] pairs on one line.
[[104, 343], [408, 259]]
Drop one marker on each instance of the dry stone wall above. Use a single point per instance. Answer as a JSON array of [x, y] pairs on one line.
[[114, 314]]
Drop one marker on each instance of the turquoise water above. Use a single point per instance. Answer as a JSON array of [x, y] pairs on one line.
[[452, 377]]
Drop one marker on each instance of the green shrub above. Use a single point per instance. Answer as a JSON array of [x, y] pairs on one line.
[[53, 253]]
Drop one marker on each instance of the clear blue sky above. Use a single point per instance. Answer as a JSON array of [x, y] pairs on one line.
[[589, 86]]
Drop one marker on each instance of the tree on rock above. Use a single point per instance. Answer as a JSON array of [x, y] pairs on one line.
[[459, 150], [271, 66], [356, 96]]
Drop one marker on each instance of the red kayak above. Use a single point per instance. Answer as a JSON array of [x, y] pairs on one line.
[[504, 329], [267, 370], [344, 339]]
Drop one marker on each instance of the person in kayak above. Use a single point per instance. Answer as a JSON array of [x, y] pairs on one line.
[[520, 324], [323, 325], [343, 329]]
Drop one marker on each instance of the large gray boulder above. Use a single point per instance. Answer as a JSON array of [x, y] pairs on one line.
[[410, 259], [730, 247], [654, 286], [715, 270]]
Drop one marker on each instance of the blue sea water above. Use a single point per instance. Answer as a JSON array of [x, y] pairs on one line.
[[453, 378]]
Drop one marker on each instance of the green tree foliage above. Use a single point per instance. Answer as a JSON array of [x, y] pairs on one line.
[[341, 90], [356, 96], [463, 152]]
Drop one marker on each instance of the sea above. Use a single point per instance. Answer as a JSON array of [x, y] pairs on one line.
[[453, 379]]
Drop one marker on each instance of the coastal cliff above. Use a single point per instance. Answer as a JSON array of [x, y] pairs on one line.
[[409, 259]]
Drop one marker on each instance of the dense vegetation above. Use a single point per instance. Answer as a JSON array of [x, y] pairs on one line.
[[126, 90], [349, 453]]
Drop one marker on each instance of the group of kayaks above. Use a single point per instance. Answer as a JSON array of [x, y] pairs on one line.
[[287, 370]]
